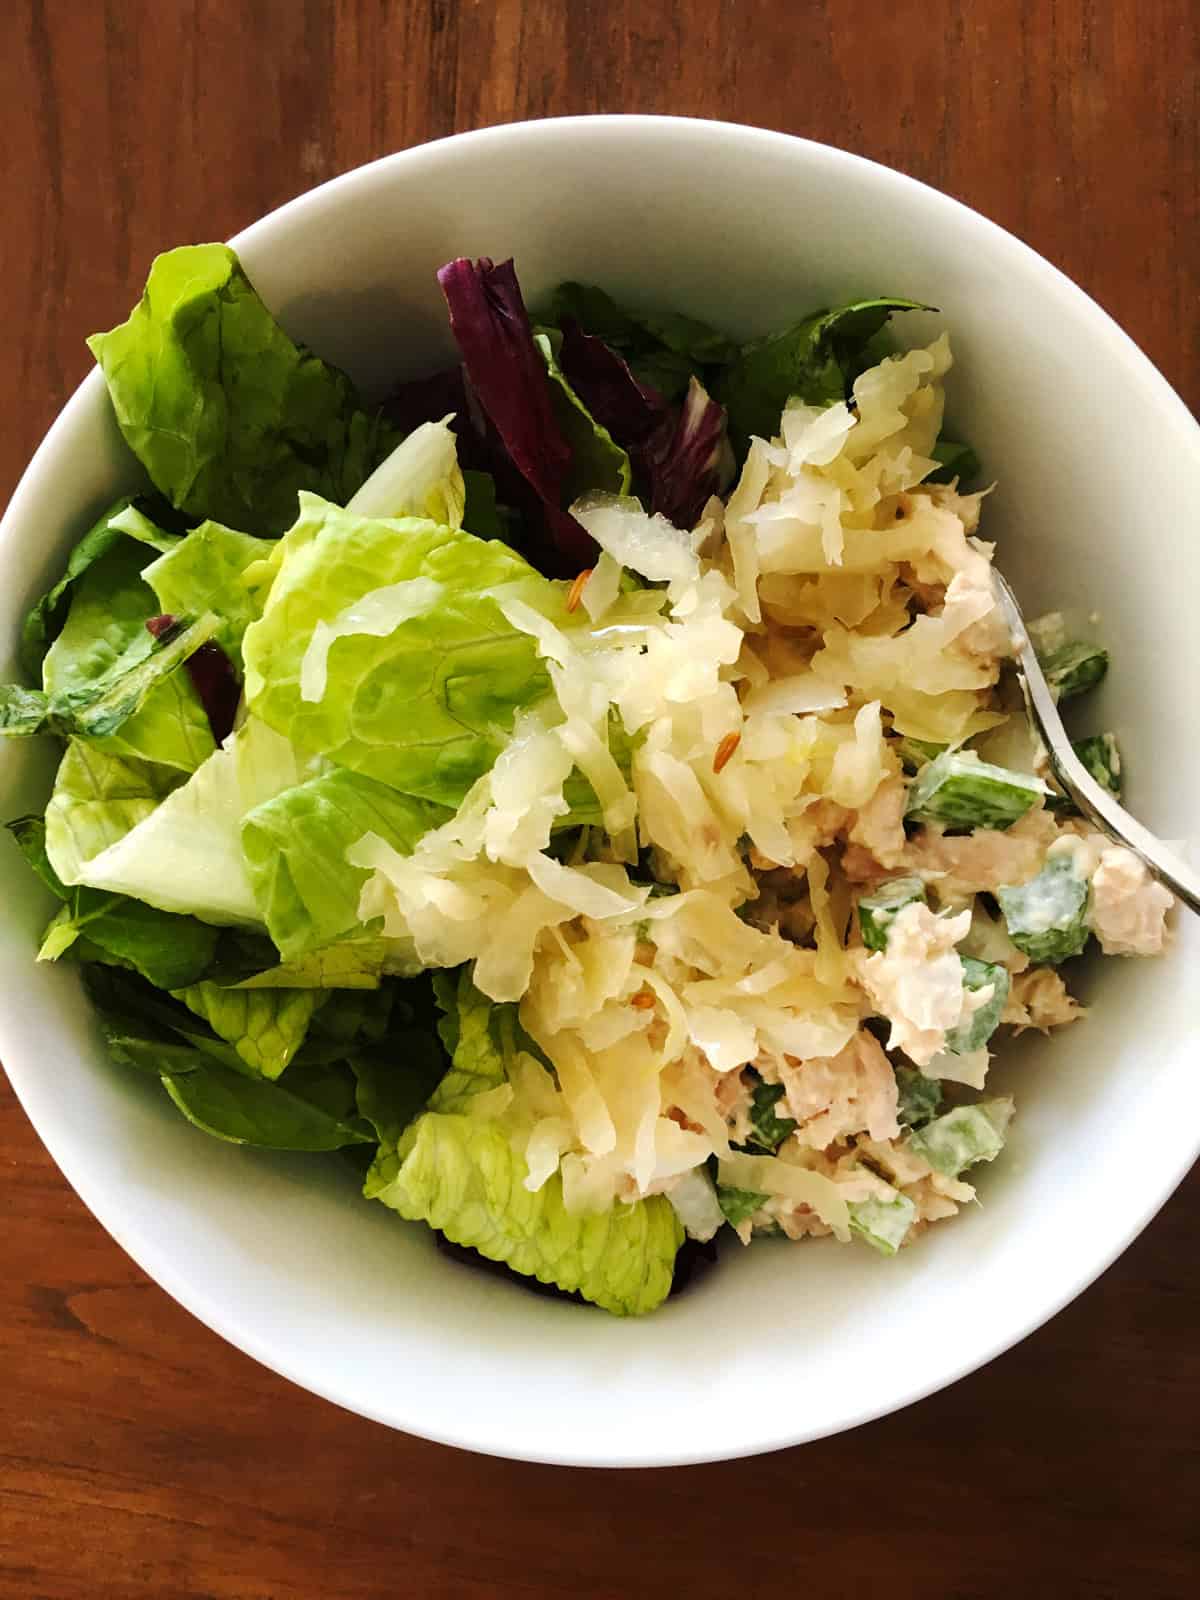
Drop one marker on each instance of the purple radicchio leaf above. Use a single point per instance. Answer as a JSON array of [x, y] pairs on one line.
[[677, 456], [212, 675], [683, 459], [507, 377]]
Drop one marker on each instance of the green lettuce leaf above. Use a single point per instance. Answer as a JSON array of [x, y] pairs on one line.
[[428, 706], [265, 1026], [462, 1176], [421, 478], [396, 1079], [186, 856], [209, 571], [483, 516], [597, 461], [817, 360], [955, 461], [45, 619], [355, 964], [295, 852], [481, 1038], [97, 926], [97, 799], [312, 1109], [662, 350], [228, 415], [100, 673]]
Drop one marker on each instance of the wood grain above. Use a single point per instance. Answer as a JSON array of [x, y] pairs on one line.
[[141, 1457]]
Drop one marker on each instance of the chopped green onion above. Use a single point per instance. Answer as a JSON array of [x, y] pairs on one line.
[[767, 1130], [883, 1223], [979, 1027], [964, 792], [877, 911], [1102, 759], [918, 1098], [739, 1204], [1047, 917], [1074, 668], [964, 1136]]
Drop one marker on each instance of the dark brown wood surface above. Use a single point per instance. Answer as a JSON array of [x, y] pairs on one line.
[[142, 1457]]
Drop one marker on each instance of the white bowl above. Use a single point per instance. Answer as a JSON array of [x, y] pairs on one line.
[[1099, 470]]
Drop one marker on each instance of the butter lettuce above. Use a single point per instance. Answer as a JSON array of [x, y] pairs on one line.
[[295, 844], [97, 799], [428, 706], [228, 415], [186, 856], [421, 478], [210, 570]]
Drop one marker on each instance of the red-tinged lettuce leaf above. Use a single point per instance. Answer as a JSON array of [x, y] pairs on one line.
[[212, 675], [602, 379], [676, 453], [683, 458], [508, 378]]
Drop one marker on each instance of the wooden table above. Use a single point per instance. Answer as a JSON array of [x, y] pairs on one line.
[[140, 1456]]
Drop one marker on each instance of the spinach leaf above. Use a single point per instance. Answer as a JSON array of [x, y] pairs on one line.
[[816, 360], [169, 951]]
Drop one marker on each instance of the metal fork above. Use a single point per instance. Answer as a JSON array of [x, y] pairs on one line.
[[1093, 800]]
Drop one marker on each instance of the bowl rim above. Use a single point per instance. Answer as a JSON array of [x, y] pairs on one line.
[[138, 1242]]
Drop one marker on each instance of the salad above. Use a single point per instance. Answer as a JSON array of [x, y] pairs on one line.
[[585, 788]]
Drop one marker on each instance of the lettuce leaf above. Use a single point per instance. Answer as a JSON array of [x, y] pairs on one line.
[[676, 453], [110, 928], [312, 1106], [662, 350], [99, 677], [428, 706], [396, 1079], [683, 460], [597, 461], [295, 852], [508, 379], [311, 1109], [209, 570], [97, 799], [230, 417], [481, 1038], [421, 478], [186, 856], [817, 360], [265, 1026], [955, 462], [44, 621], [463, 1177]]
